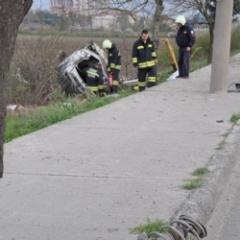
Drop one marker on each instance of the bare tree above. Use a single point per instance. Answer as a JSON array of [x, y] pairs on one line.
[[131, 7], [157, 20], [12, 13]]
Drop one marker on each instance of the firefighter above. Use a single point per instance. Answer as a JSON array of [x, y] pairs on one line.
[[93, 78], [144, 57], [114, 64], [185, 40]]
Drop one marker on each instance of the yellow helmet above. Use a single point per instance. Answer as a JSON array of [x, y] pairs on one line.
[[181, 19], [107, 44]]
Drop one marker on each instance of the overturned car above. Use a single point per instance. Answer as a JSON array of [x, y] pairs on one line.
[[70, 70]]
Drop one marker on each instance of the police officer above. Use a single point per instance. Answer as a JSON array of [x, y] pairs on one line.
[[144, 58], [185, 40], [114, 64]]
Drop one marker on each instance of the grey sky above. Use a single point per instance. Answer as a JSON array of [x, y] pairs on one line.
[[42, 4]]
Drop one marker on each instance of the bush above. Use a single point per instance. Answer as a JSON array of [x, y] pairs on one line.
[[235, 42], [33, 74], [203, 45]]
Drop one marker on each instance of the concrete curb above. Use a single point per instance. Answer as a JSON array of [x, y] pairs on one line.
[[201, 203]]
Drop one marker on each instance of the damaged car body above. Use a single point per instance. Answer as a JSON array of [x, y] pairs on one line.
[[70, 70]]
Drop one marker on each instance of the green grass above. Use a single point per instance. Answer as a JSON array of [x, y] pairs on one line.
[[235, 43], [199, 172], [197, 64], [30, 120], [235, 118], [197, 180], [33, 119], [151, 226], [164, 75], [193, 183]]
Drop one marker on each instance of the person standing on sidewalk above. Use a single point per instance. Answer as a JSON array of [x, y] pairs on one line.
[[185, 40], [144, 57], [114, 63]]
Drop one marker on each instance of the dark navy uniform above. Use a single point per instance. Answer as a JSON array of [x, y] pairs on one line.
[[144, 57], [185, 38], [114, 66]]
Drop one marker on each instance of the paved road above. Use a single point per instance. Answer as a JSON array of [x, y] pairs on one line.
[[225, 222], [98, 174]]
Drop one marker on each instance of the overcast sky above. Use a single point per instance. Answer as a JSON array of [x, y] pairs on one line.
[[43, 4]]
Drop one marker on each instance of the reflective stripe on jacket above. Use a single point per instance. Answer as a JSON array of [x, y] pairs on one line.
[[114, 58], [93, 73], [144, 54]]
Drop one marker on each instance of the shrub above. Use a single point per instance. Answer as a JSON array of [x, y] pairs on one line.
[[33, 75], [151, 226], [235, 42]]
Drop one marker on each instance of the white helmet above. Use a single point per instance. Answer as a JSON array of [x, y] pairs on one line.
[[181, 19], [107, 44]]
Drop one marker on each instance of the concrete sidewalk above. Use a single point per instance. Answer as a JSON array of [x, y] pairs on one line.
[[99, 174]]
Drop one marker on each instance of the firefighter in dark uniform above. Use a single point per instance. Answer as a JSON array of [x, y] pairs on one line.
[[144, 57], [185, 40], [93, 78], [114, 64]]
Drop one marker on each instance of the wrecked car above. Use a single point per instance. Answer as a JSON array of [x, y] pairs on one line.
[[70, 74]]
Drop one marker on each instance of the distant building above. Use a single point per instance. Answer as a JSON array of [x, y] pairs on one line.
[[106, 20], [85, 7], [100, 17], [61, 7], [82, 7]]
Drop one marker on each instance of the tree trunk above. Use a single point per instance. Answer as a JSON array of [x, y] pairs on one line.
[[2, 116], [12, 13], [211, 39], [221, 46], [156, 22]]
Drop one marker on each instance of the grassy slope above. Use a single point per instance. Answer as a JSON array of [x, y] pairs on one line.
[[30, 120]]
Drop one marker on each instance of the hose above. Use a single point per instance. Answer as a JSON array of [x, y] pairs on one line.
[[181, 228]]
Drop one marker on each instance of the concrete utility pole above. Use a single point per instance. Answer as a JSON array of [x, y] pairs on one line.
[[221, 46]]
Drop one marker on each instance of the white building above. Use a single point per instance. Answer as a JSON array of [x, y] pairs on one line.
[[107, 21], [61, 6], [83, 7]]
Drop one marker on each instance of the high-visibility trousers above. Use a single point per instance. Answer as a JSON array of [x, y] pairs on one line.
[[115, 80], [146, 77], [92, 84]]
